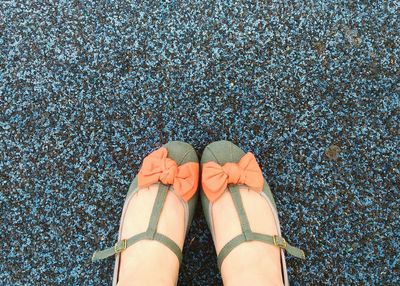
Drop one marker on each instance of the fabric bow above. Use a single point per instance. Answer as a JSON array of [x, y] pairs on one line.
[[157, 167], [215, 178]]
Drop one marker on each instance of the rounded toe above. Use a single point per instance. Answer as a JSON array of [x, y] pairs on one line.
[[222, 152], [181, 152]]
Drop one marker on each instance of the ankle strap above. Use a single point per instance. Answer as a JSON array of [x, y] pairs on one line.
[[254, 236], [150, 234], [125, 243], [249, 235]]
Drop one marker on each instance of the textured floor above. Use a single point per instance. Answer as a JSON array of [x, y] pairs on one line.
[[90, 87]]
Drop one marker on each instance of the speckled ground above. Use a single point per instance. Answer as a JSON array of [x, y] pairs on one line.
[[90, 87]]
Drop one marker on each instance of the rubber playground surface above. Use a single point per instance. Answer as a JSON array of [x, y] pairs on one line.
[[88, 88]]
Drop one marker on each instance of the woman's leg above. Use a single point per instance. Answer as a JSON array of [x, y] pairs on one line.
[[149, 262], [251, 263]]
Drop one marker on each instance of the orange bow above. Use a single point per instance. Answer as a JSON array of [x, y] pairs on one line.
[[215, 178], [158, 167]]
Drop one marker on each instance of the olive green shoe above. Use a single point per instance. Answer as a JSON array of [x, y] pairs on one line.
[[174, 167], [226, 167]]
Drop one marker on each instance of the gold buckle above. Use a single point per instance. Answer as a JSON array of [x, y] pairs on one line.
[[117, 248], [279, 241]]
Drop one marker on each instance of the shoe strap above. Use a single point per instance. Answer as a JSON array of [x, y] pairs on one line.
[[150, 234], [249, 235], [254, 236]]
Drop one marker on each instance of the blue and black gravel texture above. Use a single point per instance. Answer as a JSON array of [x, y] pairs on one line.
[[88, 88]]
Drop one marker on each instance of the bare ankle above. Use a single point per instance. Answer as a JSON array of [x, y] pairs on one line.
[[250, 277], [148, 263], [148, 280], [252, 262]]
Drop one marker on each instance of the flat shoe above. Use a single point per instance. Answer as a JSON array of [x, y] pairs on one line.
[[225, 168], [174, 167]]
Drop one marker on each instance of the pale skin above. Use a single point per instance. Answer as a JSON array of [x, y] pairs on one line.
[[251, 263]]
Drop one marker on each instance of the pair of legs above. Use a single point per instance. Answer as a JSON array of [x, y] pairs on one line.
[[151, 263]]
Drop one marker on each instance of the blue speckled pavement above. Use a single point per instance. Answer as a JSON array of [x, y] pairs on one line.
[[88, 88]]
